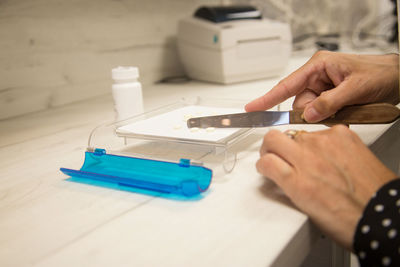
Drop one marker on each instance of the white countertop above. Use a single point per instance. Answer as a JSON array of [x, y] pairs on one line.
[[47, 221]]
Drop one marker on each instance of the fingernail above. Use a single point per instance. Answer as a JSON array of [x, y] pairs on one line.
[[311, 115]]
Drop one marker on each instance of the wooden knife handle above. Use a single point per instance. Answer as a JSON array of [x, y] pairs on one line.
[[359, 114]]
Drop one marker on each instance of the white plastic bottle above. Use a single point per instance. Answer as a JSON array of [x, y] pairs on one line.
[[127, 92]]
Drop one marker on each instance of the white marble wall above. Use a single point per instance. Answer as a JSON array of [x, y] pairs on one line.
[[327, 16], [54, 52]]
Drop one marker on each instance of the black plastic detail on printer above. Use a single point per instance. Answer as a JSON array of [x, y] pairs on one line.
[[227, 13]]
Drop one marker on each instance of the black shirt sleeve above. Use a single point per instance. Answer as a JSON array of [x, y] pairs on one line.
[[377, 236]]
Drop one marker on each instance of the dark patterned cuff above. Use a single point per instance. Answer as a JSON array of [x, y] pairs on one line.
[[377, 236]]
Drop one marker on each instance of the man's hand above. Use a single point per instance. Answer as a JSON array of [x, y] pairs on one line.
[[330, 81], [330, 175]]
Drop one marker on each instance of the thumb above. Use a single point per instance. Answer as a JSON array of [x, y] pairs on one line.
[[328, 103], [311, 114]]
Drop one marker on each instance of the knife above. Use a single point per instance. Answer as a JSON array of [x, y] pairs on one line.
[[358, 114]]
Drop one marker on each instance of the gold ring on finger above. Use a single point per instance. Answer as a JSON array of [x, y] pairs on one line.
[[292, 134]]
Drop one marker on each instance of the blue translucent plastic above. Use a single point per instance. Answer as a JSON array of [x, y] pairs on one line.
[[160, 176]]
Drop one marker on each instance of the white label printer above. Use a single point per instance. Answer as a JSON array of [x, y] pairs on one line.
[[232, 44]]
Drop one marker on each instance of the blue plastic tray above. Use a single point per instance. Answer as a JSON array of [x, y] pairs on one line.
[[181, 178]]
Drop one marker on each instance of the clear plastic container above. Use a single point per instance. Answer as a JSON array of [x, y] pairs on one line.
[[159, 164]]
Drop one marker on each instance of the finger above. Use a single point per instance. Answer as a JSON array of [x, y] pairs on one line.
[[329, 102], [280, 144], [288, 87], [275, 168], [303, 98]]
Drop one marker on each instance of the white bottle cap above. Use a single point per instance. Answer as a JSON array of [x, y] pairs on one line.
[[124, 73]]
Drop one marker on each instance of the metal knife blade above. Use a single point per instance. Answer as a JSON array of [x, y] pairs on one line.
[[357, 114], [241, 120]]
